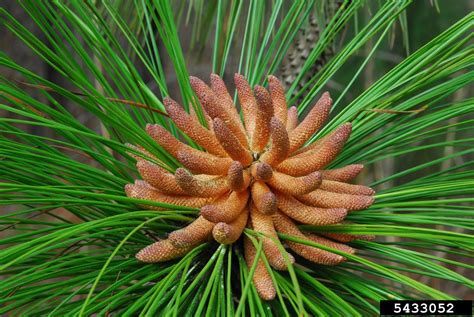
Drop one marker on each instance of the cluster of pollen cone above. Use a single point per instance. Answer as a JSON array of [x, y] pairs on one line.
[[256, 174]]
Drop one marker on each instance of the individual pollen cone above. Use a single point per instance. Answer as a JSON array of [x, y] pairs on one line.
[[278, 97], [263, 198], [216, 109], [261, 171], [161, 251], [194, 160], [340, 187], [343, 174], [312, 123], [264, 224], [237, 178], [164, 138], [308, 214], [280, 145], [141, 190], [231, 144], [330, 146], [247, 102], [330, 244], [204, 163], [258, 174], [159, 178], [324, 199], [292, 119], [286, 226], [295, 185], [263, 115], [190, 184], [227, 208], [261, 278], [195, 233], [227, 233], [220, 89], [192, 128]]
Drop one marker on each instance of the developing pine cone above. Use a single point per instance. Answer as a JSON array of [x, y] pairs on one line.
[[257, 174]]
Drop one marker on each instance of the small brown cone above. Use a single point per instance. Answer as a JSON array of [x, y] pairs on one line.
[[343, 174], [227, 208], [161, 251], [330, 146], [264, 224], [277, 94], [280, 144], [193, 186], [231, 144], [309, 214], [141, 190], [284, 225], [191, 127], [292, 119], [204, 163], [324, 199], [344, 188], [263, 198], [238, 178], [198, 231], [295, 185], [227, 233], [159, 178], [263, 115], [261, 278], [313, 121]]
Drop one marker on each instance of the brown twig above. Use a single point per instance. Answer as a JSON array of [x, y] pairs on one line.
[[118, 100]]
